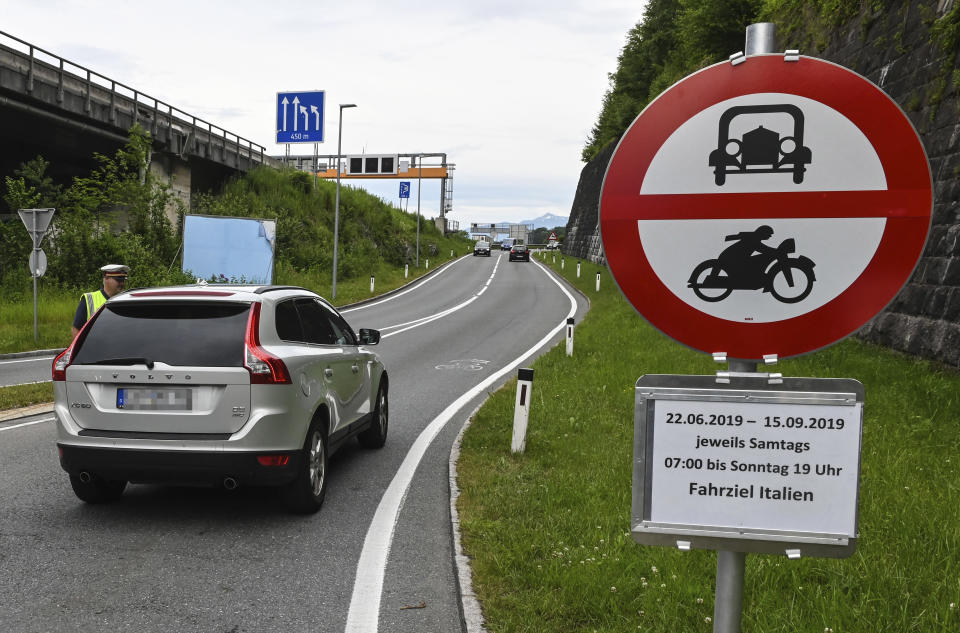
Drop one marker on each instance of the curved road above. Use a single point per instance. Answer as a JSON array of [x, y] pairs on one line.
[[377, 557]]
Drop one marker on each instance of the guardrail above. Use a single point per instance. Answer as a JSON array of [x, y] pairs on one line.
[[113, 93]]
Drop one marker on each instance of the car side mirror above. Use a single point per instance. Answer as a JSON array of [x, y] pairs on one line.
[[369, 336]]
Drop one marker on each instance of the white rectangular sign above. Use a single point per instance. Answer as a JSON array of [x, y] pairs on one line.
[[789, 467], [748, 463]]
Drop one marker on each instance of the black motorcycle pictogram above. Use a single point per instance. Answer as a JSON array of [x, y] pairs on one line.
[[749, 264], [760, 150]]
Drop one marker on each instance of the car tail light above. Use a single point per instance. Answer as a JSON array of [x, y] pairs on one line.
[[60, 364], [273, 460], [64, 358], [264, 367]]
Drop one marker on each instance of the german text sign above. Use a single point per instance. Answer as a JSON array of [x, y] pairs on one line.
[[769, 207], [771, 469]]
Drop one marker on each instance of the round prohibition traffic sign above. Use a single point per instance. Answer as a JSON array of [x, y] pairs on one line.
[[768, 207]]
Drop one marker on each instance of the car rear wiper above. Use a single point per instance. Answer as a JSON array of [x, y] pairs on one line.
[[135, 360]]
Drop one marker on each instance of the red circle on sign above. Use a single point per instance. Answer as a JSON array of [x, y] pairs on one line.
[[905, 205]]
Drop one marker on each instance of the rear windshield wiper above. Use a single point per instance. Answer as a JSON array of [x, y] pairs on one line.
[[136, 360]]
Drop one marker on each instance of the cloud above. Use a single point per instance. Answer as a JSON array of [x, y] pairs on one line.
[[509, 90]]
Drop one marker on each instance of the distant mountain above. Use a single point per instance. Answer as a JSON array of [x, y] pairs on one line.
[[547, 221]]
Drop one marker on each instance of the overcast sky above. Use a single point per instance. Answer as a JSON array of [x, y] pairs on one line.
[[508, 89]]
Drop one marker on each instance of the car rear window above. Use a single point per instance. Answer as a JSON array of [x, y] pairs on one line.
[[182, 334]]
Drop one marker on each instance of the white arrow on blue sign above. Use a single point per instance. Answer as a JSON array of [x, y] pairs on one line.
[[404, 189], [300, 117]]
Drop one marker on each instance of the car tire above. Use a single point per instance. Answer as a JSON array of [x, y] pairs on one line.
[[97, 490], [376, 435], [305, 494]]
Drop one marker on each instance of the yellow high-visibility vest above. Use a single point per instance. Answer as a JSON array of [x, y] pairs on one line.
[[94, 301]]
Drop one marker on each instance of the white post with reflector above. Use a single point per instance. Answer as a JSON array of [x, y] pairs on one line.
[[371, 284], [406, 270], [598, 281], [561, 263], [521, 411], [570, 336], [428, 265], [578, 270]]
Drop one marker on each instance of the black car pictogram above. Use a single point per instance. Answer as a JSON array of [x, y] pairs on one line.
[[760, 151]]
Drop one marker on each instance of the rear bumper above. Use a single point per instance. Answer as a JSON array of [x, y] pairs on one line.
[[176, 467]]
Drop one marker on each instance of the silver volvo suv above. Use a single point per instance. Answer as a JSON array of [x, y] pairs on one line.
[[219, 385]]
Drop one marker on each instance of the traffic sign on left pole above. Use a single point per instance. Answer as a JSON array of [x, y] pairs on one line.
[[300, 117], [37, 222]]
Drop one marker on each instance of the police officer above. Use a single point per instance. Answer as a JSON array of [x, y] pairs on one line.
[[114, 278]]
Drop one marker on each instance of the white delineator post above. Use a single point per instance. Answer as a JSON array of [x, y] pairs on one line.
[[598, 282], [521, 412], [561, 263], [428, 265], [570, 336], [371, 284], [578, 270], [406, 270]]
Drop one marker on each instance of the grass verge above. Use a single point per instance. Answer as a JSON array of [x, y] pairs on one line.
[[55, 307], [548, 530], [24, 395]]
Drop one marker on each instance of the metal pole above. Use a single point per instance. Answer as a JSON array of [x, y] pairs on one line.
[[33, 273], [316, 163], [728, 604], [419, 181], [336, 211], [760, 38]]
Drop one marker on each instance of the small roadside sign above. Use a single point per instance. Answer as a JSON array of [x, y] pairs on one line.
[[37, 222], [748, 465], [553, 237], [38, 263], [404, 189], [300, 117]]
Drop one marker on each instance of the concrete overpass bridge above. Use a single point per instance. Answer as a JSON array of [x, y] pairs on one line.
[[65, 112]]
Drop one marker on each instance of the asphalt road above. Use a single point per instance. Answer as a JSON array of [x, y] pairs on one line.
[[17, 371], [377, 557]]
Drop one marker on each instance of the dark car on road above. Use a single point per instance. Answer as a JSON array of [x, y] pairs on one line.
[[482, 248], [519, 253]]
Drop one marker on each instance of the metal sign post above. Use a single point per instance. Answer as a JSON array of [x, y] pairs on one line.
[[36, 221]]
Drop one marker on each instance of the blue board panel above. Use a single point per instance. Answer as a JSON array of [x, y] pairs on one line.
[[300, 117], [229, 249]]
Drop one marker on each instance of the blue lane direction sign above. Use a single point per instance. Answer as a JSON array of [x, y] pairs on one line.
[[404, 189], [300, 117]]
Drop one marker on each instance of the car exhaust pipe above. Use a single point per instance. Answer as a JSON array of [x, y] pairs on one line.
[[86, 477], [230, 483]]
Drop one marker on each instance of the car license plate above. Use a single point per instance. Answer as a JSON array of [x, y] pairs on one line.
[[141, 399]]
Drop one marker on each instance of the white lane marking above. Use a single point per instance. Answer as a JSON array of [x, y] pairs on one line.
[[438, 315], [364, 613], [410, 289], [17, 426], [27, 360]]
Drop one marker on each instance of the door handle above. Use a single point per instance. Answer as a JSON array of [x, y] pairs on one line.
[[328, 372], [355, 368]]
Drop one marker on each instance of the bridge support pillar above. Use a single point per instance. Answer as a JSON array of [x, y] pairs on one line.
[[176, 172]]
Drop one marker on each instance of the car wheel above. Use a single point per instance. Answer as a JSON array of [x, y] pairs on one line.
[[376, 435], [304, 495], [97, 490]]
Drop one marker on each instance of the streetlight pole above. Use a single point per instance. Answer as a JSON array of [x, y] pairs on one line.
[[419, 181], [336, 210]]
